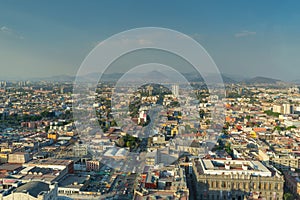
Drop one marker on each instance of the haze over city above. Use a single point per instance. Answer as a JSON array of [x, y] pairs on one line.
[[143, 100]]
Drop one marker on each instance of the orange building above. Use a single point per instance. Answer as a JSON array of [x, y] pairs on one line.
[[52, 136]]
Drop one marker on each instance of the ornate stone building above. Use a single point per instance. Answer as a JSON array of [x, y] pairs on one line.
[[236, 180]]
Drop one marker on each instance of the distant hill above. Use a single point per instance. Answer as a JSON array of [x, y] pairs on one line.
[[155, 75], [235, 77], [158, 76], [194, 77], [296, 81], [59, 78], [227, 79], [261, 80]]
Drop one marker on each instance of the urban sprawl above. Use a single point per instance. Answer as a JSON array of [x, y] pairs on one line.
[[153, 142]]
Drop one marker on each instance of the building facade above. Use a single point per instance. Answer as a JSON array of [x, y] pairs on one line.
[[236, 179]]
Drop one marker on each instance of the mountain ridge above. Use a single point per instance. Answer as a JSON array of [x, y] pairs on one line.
[[191, 77]]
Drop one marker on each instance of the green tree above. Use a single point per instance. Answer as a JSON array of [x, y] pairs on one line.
[[128, 144], [228, 148], [288, 196], [47, 129], [201, 113], [278, 128], [271, 113], [290, 127]]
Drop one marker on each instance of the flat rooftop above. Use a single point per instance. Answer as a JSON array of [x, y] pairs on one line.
[[50, 162], [10, 167], [221, 166], [73, 181], [34, 188]]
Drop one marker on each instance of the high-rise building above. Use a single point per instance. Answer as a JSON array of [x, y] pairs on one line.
[[175, 90], [277, 108], [287, 109], [62, 90]]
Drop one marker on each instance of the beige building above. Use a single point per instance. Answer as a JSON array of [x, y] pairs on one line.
[[277, 108], [19, 158], [284, 162], [236, 179], [193, 147]]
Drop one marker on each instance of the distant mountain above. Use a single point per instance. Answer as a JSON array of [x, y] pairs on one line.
[[153, 76], [262, 80], [194, 77], [235, 77], [227, 79], [296, 81], [59, 78], [110, 77]]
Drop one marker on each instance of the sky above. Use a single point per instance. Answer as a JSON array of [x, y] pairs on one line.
[[246, 38]]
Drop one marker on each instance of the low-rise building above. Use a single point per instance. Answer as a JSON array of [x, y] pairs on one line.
[[35, 190], [166, 183], [18, 158]]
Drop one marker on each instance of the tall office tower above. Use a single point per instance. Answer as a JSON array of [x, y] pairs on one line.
[[150, 90], [287, 109], [175, 90], [277, 108], [62, 90]]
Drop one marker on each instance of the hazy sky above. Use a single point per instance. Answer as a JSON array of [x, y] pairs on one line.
[[249, 38]]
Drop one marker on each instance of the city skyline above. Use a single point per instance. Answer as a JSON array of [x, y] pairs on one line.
[[41, 39], [138, 100]]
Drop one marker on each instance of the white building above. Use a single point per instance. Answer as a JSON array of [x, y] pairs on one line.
[[175, 90]]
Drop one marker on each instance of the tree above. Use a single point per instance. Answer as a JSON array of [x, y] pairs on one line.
[[128, 144], [201, 113], [121, 142], [278, 128], [227, 148], [113, 123], [47, 129], [290, 127], [288, 196], [271, 113]]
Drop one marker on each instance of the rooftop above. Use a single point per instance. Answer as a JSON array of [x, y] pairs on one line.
[[50, 162], [73, 181], [34, 188], [10, 167], [223, 166]]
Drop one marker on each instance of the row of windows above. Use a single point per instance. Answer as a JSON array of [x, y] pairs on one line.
[[241, 185], [236, 197], [217, 197]]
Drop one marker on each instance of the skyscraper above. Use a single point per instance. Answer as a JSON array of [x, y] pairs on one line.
[[175, 90]]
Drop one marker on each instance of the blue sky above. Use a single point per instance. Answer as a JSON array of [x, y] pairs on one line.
[[249, 38]]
